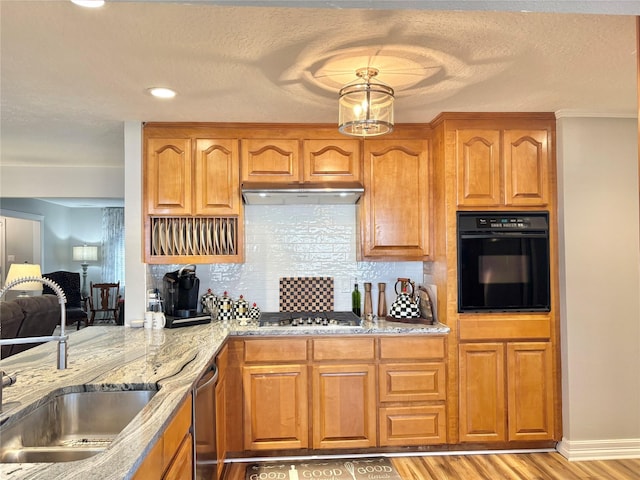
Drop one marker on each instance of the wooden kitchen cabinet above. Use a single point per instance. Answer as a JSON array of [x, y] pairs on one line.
[[180, 181], [193, 209], [331, 161], [168, 170], [395, 215], [521, 369], [270, 160], [291, 160], [344, 406], [172, 455], [275, 389], [275, 407], [502, 167], [412, 391], [222, 361]]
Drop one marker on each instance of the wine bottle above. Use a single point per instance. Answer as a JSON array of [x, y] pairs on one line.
[[355, 300]]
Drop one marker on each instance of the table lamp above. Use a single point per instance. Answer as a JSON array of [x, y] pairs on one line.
[[85, 254], [23, 270]]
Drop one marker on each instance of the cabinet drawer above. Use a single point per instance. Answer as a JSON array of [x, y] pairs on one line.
[[414, 425], [275, 350], [412, 382], [328, 349], [418, 348]]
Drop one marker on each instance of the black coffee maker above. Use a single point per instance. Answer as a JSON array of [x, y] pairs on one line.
[[181, 290]]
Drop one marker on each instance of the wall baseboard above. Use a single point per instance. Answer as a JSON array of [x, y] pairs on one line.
[[599, 449]]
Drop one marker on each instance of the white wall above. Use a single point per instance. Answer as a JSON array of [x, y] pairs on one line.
[[600, 281]]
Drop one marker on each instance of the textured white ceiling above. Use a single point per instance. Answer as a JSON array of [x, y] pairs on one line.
[[70, 76]]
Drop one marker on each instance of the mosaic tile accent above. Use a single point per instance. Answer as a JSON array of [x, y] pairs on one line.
[[306, 294]]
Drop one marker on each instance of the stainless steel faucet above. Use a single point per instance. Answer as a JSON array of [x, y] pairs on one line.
[[62, 338]]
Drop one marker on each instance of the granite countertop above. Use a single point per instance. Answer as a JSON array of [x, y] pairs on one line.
[[117, 358]]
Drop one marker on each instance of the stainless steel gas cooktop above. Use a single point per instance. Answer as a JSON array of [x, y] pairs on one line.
[[309, 319]]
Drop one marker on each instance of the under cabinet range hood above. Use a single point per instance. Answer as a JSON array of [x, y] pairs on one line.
[[301, 193]]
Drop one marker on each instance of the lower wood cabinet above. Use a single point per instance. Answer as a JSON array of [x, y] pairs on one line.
[[487, 372], [343, 392], [172, 455], [275, 407], [344, 406], [412, 391]]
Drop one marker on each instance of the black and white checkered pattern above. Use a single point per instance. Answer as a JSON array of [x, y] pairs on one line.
[[306, 294]]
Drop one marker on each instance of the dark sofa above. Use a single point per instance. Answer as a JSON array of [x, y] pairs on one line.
[[28, 317]]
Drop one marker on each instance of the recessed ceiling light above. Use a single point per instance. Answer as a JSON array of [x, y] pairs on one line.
[[89, 3], [161, 92]]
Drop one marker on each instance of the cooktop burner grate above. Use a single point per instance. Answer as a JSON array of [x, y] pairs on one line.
[[309, 319]]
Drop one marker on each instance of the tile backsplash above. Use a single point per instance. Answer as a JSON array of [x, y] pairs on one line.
[[296, 241]]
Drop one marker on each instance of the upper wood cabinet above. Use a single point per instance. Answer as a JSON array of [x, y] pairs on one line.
[[168, 170], [193, 208], [266, 160], [216, 177], [395, 217], [180, 181], [300, 161], [502, 167]]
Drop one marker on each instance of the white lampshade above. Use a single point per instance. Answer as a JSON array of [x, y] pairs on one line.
[[365, 107], [22, 270], [85, 253]]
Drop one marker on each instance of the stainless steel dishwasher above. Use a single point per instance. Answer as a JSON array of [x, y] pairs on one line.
[[204, 425]]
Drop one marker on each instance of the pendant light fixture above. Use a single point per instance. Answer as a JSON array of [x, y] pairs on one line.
[[365, 106]]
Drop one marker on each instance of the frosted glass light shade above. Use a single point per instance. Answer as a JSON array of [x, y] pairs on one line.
[[365, 107], [85, 253], [23, 270]]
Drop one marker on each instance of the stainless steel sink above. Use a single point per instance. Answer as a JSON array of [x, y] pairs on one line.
[[70, 426]]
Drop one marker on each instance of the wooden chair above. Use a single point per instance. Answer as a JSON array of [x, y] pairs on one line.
[[103, 297]]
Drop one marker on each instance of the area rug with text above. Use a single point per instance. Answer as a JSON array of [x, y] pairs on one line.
[[324, 469]]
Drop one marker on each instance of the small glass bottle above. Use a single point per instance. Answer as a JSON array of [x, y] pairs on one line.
[[355, 300]]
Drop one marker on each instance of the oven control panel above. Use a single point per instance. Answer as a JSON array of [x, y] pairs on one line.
[[502, 221]]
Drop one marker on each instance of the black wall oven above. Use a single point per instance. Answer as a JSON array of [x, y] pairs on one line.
[[503, 262]]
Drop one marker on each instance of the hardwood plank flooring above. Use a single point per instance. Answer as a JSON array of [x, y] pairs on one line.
[[503, 466]]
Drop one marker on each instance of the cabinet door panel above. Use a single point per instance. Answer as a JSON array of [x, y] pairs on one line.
[[344, 406], [181, 466], [270, 160], [530, 380], [168, 176], [482, 392], [396, 215], [413, 425], [478, 167], [332, 161], [216, 177], [412, 382], [526, 168], [276, 407]]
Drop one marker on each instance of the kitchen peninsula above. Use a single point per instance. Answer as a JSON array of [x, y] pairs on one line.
[[130, 358]]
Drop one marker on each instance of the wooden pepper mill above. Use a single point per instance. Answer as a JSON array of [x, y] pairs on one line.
[[382, 301], [368, 307]]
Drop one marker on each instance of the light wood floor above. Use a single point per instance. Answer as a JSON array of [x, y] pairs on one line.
[[516, 466]]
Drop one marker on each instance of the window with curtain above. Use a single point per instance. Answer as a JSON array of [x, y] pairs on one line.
[[113, 245]]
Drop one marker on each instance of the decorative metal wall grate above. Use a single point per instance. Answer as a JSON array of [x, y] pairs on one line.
[[187, 236]]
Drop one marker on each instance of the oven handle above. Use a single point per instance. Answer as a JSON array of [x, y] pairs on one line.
[[465, 236]]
